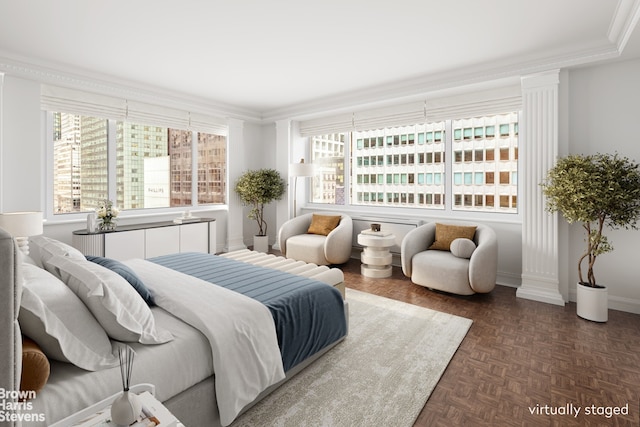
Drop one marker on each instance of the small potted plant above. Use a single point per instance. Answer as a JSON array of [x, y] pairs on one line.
[[256, 188], [597, 191], [107, 213]]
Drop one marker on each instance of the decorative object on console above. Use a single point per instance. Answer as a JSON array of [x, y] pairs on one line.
[[375, 227], [186, 218], [299, 170], [258, 188], [595, 190], [22, 225], [92, 220], [127, 407], [107, 214]]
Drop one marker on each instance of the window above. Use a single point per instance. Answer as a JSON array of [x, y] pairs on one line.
[[328, 157], [483, 166], [480, 168], [153, 164], [80, 179]]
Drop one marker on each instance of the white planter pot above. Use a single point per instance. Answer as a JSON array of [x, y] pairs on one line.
[[592, 303], [261, 243]]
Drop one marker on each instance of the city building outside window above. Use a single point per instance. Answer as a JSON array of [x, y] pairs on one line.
[[406, 166], [153, 164]]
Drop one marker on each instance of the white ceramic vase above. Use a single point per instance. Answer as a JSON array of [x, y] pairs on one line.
[[261, 243], [126, 408], [592, 303]]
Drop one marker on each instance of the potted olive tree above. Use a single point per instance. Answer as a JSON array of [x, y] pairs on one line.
[[597, 191], [256, 188]]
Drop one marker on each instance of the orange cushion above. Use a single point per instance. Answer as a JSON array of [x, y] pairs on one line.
[[323, 224], [35, 366], [447, 233]]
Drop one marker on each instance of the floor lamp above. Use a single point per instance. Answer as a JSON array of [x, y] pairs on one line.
[[299, 170]]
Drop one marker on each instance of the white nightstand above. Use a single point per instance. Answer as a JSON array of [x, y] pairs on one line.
[[376, 258], [94, 414]]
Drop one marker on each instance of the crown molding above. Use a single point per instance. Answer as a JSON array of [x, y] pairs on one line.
[[624, 21], [58, 75], [429, 85], [420, 87]]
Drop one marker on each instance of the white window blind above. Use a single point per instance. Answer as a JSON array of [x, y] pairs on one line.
[[65, 100], [148, 114], [74, 101], [208, 124], [474, 104]]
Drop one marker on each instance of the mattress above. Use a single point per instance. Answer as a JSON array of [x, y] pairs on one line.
[[172, 367], [308, 314]]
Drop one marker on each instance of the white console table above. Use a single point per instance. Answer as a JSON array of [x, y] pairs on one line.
[[148, 240], [376, 258]]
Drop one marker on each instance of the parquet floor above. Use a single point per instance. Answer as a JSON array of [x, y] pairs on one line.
[[522, 356]]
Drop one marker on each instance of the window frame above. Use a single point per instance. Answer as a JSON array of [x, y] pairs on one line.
[[423, 211], [48, 185]]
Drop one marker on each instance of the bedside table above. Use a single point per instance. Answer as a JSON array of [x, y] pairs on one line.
[[376, 258], [98, 413]]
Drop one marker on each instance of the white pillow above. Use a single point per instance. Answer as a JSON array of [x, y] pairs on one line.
[[462, 248], [121, 311], [42, 249], [56, 319]]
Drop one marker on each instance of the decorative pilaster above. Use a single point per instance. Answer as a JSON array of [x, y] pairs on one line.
[[236, 165], [539, 149]]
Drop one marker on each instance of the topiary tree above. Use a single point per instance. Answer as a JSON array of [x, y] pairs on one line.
[[258, 188], [596, 190]]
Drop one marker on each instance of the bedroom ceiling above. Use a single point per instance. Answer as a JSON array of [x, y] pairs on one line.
[[270, 57]]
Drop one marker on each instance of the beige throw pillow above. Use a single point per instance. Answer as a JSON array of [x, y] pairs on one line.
[[323, 224], [447, 233], [463, 248]]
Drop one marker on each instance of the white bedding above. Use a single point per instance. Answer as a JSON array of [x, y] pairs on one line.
[[172, 367], [240, 330]]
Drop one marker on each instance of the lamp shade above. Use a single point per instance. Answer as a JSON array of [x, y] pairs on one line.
[[22, 224], [301, 169]]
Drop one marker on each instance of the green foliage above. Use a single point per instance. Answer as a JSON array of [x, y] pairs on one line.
[[596, 190], [258, 188]]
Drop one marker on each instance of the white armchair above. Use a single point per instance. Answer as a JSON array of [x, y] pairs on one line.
[[334, 248], [465, 273]]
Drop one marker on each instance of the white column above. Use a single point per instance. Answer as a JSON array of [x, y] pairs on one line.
[[236, 166], [283, 138], [539, 150]]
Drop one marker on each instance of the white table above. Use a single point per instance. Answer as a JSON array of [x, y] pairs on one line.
[[376, 258]]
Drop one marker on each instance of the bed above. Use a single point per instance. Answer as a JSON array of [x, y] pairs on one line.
[[194, 365]]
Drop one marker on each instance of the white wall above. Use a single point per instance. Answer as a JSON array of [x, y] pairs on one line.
[[260, 143], [604, 116], [22, 158]]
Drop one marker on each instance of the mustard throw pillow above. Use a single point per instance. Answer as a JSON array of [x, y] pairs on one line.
[[323, 224], [35, 366], [447, 233]]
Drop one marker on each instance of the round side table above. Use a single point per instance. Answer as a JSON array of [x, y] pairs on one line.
[[376, 258]]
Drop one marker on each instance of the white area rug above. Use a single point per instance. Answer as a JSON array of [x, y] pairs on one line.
[[381, 375]]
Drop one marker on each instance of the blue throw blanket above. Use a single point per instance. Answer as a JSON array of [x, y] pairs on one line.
[[308, 314]]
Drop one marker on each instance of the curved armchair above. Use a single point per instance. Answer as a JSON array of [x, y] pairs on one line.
[[442, 270], [334, 248]]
